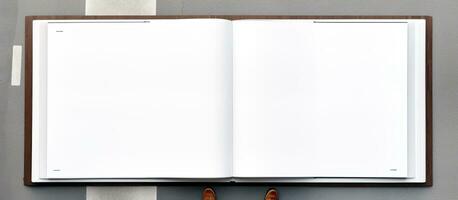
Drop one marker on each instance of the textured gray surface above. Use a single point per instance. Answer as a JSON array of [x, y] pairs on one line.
[[444, 12], [12, 14]]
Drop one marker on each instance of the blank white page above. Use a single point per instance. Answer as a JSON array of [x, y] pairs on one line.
[[320, 99], [139, 99]]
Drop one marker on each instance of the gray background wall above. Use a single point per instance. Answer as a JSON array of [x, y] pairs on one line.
[[445, 21]]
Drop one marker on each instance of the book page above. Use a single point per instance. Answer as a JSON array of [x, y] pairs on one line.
[[320, 99], [139, 99]]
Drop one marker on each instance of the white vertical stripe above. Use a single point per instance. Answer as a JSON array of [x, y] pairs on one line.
[[121, 193], [116, 7], [120, 7]]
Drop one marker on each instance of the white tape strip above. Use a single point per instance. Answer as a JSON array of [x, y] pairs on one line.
[[16, 65], [121, 193]]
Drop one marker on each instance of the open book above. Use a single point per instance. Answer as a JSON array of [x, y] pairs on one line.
[[226, 100]]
